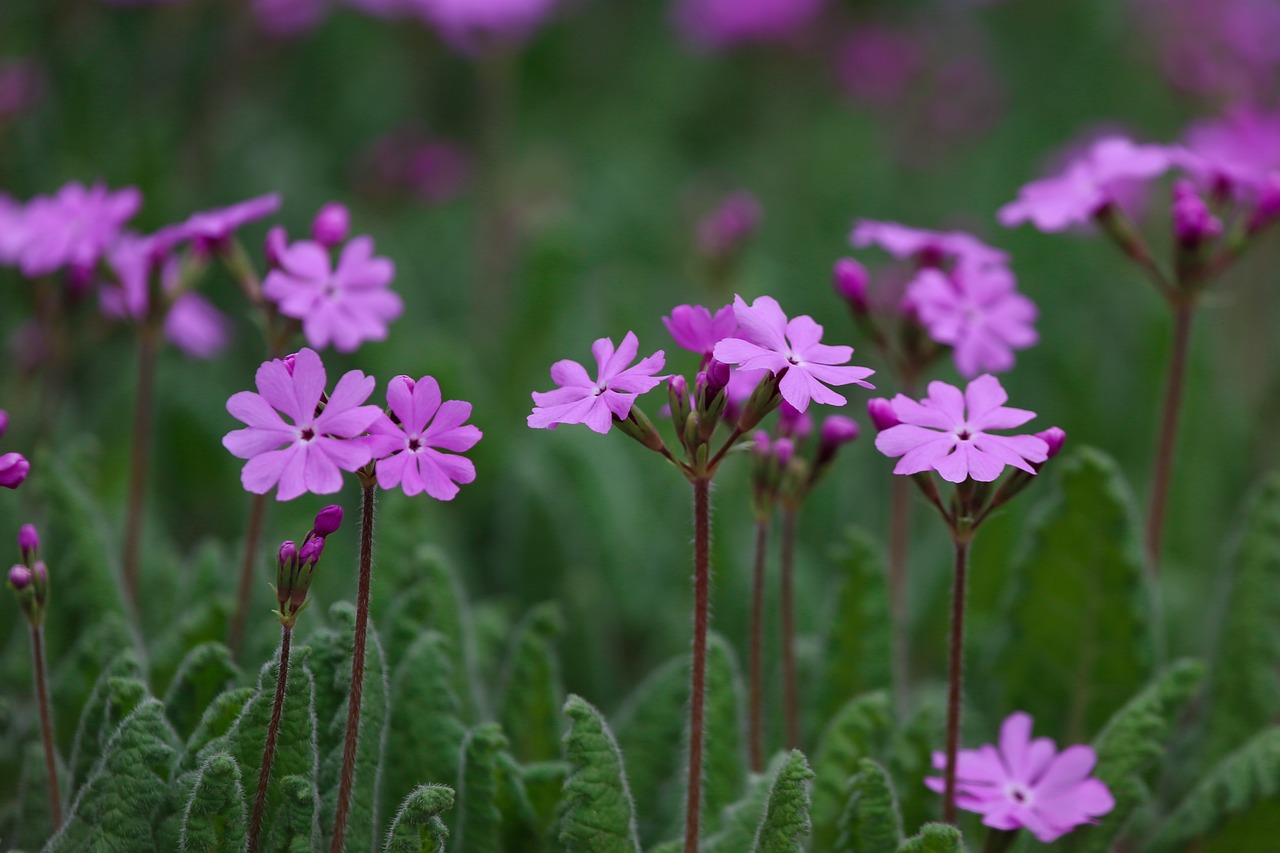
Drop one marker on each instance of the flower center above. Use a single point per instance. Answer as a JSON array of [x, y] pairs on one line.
[[330, 289], [600, 389], [308, 434], [963, 433], [415, 443], [1019, 793]]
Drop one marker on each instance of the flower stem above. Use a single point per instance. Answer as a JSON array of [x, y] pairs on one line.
[[148, 348], [790, 682], [1183, 312], [955, 677], [46, 724], [347, 778], [257, 509], [701, 607], [899, 534], [273, 732], [757, 648]]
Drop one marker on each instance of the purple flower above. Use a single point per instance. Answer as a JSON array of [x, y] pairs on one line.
[[580, 400], [976, 310], [696, 329], [74, 227], [1240, 151], [1087, 186], [327, 521], [476, 25], [346, 305], [929, 247], [331, 225], [211, 228], [196, 327], [717, 24], [1193, 222], [949, 433], [309, 454], [882, 414], [1027, 784], [411, 451], [768, 340], [14, 469], [28, 543], [727, 228]]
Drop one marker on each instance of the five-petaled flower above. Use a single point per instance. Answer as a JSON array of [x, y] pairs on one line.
[[928, 247], [580, 400], [309, 454], [410, 448], [1027, 784], [767, 340], [949, 432]]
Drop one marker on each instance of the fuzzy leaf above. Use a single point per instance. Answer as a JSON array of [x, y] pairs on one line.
[[934, 838], [599, 814], [477, 820], [81, 668], [114, 697], [724, 761], [858, 731], [169, 817], [650, 729], [34, 811], [532, 690], [418, 827], [908, 757], [1079, 604], [870, 823], [785, 825], [296, 829], [857, 653], [214, 820], [203, 674], [738, 822], [204, 620], [215, 723]]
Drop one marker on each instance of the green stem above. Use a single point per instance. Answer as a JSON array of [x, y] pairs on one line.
[[899, 535], [46, 724], [269, 750], [701, 610], [955, 677]]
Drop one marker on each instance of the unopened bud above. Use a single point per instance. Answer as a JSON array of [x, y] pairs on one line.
[[4, 422], [1193, 223], [793, 423], [275, 246], [761, 445], [717, 376], [837, 431], [309, 553], [327, 521], [850, 280], [1055, 438], [28, 543], [41, 572], [20, 578], [14, 469], [882, 414], [763, 400], [638, 426], [783, 450], [331, 225]]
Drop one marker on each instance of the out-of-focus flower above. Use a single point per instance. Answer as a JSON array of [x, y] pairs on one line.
[[696, 329], [196, 327], [13, 220], [73, 227], [14, 469], [411, 453], [717, 24], [882, 414], [727, 229], [582, 400], [22, 85], [1238, 153], [288, 18], [433, 169], [1193, 222], [929, 248], [474, 26], [331, 225], [876, 64], [210, 229]]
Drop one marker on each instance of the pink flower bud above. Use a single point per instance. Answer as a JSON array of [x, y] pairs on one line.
[[20, 577], [14, 468], [28, 543], [1055, 438], [793, 423], [287, 554], [761, 444], [1193, 223], [327, 521], [331, 225], [783, 450], [717, 376], [276, 245], [850, 280], [41, 573], [882, 414], [838, 430], [4, 422], [311, 550]]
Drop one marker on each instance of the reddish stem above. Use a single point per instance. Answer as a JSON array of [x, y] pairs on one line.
[[899, 534], [1183, 312], [701, 596], [257, 509], [757, 648], [273, 732], [790, 681], [148, 347], [46, 724], [955, 678]]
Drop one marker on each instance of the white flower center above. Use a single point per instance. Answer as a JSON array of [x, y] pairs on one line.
[[1020, 794]]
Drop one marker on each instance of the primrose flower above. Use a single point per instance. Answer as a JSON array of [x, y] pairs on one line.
[[579, 400], [949, 432], [74, 227], [766, 339], [411, 447], [212, 228], [976, 310], [696, 329], [346, 305], [1240, 151], [309, 454], [1027, 784], [929, 247]]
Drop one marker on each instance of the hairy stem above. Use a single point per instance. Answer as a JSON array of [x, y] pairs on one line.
[[269, 751], [257, 509], [899, 535], [144, 403], [1183, 312], [955, 677], [790, 681], [757, 647], [348, 776], [46, 724], [701, 606]]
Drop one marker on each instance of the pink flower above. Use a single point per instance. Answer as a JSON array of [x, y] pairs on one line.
[[13, 222], [345, 306], [411, 450], [727, 228], [877, 64], [22, 86], [1088, 184], [977, 311], [696, 329], [1240, 151], [211, 228], [14, 469], [474, 25], [1027, 784], [196, 327], [723, 23], [768, 340], [929, 247], [309, 454], [74, 227], [937, 433], [579, 400]]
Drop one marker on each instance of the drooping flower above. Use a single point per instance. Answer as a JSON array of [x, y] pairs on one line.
[[718, 24], [696, 329], [475, 25], [412, 450], [581, 400], [309, 454], [767, 340], [929, 247], [73, 227], [346, 305], [949, 432], [978, 311], [1027, 784]]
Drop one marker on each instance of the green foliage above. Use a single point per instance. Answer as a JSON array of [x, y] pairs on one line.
[[296, 828], [1078, 604], [478, 821], [114, 697], [80, 669], [934, 838], [599, 814], [724, 761], [909, 754], [418, 827], [857, 648], [204, 620], [739, 821], [857, 731], [215, 723], [785, 825], [871, 822], [204, 673], [34, 812], [650, 727], [214, 819], [532, 690]]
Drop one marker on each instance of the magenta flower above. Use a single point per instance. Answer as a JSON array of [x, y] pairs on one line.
[[977, 311], [876, 64], [211, 228], [196, 327], [579, 400], [410, 451], [1087, 186], [74, 227], [696, 329], [768, 340], [14, 469], [930, 247], [475, 25], [1027, 784], [346, 305], [938, 433], [309, 454], [719, 24], [1240, 151], [13, 219]]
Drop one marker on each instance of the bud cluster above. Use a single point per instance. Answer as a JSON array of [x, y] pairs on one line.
[[295, 565], [788, 464], [29, 578]]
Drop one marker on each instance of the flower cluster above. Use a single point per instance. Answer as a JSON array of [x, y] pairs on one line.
[[70, 229], [295, 565], [29, 578]]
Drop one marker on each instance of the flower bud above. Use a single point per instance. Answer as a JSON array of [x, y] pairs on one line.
[[793, 423], [837, 430], [1268, 207], [288, 554], [20, 578], [882, 414], [850, 280], [1193, 223], [28, 543], [331, 225], [761, 444], [1055, 438], [14, 468], [289, 361], [327, 521], [309, 553], [277, 243], [4, 422], [41, 572], [783, 450], [717, 376]]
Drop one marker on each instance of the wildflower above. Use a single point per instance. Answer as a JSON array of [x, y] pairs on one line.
[[696, 329], [850, 281], [1193, 222], [766, 339], [14, 469], [331, 225], [474, 25], [13, 221], [930, 248], [1027, 784], [210, 229], [309, 454], [411, 447], [74, 227], [722, 23], [949, 432], [579, 400], [882, 414], [1238, 152]]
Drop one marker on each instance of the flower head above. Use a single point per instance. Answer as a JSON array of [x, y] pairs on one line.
[[767, 340], [948, 432], [412, 446], [929, 247], [696, 329], [1027, 784], [211, 228], [309, 454], [580, 400], [1239, 151], [722, 23], [73, 227]]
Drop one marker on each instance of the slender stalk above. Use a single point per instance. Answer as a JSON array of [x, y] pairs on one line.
[[357, 671], [495, 228], [257, 509], [899, 535], [1183, 313], [955, 677], [701, 607], [790, 682], [273, 732], [46, 724], [144, 403], [757, 648]]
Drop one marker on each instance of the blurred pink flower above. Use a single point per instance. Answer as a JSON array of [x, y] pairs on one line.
[[727, 228], [288, 18], [581, 400], [876, 64], [1220, 49], [73, 227], [22, 85], [1239, 152], [211, 228], [720, 24], [13, 219], [410, 453], [476, 25], [927, 247]]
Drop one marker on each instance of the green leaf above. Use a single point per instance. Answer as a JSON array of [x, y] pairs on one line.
[[203, 620], [115, 810], [34, 811], [934, 838], [522, 830], [908, 756], [870, 823], [785, 825], [724, 761], [1078, 604], [857, 731], [114, 697], [599, 814], [169, 817], [477, 820], [650, 728], [857, 653], [738, 822], [532, 690], [214, 820], [203, 674], [296, 829], [215, 723], [418, 827], [81, 668]]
